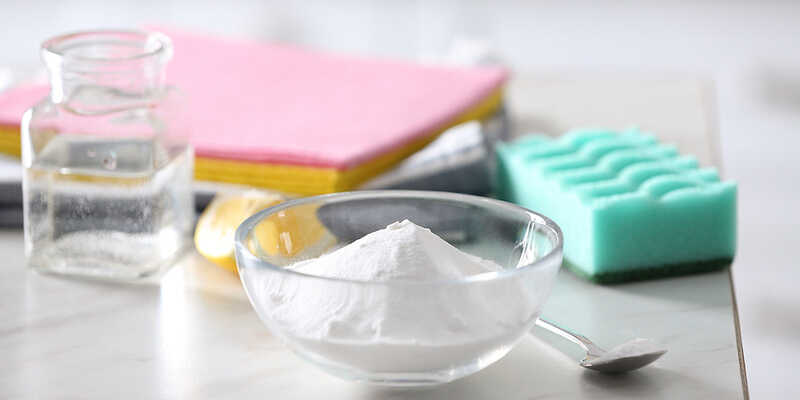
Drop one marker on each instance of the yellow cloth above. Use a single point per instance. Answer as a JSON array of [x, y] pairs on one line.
[[295, 178]]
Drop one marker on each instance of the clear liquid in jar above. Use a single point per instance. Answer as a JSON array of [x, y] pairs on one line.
[[108, 207]]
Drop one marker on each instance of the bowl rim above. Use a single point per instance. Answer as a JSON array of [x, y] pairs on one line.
[[240, 249]]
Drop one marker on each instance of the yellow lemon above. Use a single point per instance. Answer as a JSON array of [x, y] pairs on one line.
[[216, 227], [286, 233]]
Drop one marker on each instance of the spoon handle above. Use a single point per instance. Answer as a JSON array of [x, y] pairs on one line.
[[590, 348]]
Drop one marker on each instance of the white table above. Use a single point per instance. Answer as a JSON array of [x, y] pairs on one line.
[[194, 335]]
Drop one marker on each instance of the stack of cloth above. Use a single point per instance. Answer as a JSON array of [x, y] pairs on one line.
[[302, 122], [10, 192]]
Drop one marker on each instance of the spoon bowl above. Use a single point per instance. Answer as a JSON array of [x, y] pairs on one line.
[[628, 356]]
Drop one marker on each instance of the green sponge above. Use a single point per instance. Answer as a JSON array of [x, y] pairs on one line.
[[630, 207]]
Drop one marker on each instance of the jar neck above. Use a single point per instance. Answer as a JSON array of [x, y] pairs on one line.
[[102, 71]]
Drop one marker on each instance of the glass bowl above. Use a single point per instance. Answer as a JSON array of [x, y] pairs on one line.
[[399, 332]]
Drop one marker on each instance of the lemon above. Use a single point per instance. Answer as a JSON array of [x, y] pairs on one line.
[[287, 233], [216, 227]]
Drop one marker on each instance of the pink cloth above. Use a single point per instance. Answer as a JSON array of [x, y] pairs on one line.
[[265, 102], [15, 101]]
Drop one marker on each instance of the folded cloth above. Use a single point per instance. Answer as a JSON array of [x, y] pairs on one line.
[[460, 160], [10, 217], [10, 193], [300, 121]]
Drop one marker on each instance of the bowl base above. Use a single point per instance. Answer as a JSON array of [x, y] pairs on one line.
[[408, 379]]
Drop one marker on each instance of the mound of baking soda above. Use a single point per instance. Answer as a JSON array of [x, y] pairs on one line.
[[398, 302]]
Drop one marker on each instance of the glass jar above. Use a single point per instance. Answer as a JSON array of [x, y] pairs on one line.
[[108, 169]]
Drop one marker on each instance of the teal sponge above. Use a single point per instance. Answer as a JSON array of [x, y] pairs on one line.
[[630, 207]]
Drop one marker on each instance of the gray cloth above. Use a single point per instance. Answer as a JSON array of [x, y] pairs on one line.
[[461, 160]]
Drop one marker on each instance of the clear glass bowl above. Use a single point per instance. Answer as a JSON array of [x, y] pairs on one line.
[[399, 333]]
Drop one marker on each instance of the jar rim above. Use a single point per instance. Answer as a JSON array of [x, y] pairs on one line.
[[142, 44]]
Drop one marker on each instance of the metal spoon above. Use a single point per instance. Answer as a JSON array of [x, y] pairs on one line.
[[626, 357]]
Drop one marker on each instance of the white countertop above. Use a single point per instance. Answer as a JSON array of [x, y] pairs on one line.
[[196, 336]]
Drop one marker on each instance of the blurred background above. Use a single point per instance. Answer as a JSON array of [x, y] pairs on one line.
[[748, 51]]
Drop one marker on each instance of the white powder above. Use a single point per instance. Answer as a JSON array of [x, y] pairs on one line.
[[633, 348], [405, 326], [402, 251]]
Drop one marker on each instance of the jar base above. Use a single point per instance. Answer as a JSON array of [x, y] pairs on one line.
[[114, 262]]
